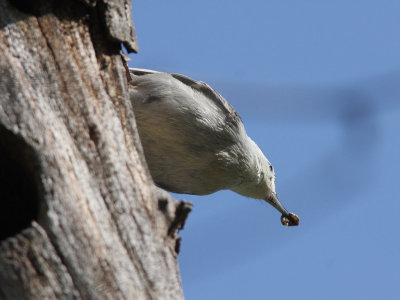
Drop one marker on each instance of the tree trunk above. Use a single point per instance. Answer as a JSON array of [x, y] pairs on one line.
[[80, 217]]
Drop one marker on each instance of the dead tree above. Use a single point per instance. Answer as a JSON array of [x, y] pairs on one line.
[[80, 217]]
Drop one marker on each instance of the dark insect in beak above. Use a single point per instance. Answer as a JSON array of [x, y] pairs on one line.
[[290, 219], [287, 218]]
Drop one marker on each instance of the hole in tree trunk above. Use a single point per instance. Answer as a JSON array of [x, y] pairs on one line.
[[19, 200]]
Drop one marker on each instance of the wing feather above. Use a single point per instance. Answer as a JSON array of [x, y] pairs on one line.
[[212, 94], [231, 115]]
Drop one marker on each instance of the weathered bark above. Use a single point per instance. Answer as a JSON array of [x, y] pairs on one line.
[[80, 215]]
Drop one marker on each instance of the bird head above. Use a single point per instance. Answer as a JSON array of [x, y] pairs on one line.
[[266, 189]]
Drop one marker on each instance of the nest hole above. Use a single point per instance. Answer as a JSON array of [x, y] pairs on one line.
[[19, 201]]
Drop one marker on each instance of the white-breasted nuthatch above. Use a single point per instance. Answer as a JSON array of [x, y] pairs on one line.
[[195, 142]]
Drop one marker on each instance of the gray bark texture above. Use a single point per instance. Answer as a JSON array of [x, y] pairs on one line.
[[80, 217]]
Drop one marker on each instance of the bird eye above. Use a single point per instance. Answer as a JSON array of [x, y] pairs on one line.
[[271, 168]]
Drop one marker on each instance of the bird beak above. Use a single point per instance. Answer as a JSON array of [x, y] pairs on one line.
[[287, 218]]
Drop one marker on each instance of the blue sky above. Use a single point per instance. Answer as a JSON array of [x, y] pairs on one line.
[[317, 86]]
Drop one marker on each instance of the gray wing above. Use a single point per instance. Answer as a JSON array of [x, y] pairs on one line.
[[139, 72], [202, 87], [213, 95], [209, 92]]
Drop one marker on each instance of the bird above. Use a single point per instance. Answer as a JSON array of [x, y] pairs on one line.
[[194, 141]]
